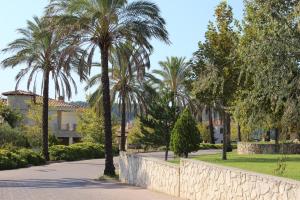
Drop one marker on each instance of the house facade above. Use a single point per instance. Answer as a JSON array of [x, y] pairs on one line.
[[217, 124], [63, 115]]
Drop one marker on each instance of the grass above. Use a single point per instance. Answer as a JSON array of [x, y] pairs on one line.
[[262, 163]]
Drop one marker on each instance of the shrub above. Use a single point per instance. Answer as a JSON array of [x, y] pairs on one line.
[[12, 137], [77, 151], [31, 157], [214, 146], [11, 160], [185, 136]]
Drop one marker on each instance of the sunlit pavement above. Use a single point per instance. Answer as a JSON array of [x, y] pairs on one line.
[[68, 181]]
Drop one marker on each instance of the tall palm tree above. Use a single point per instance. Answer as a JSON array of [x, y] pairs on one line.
[[43, 51], [107, 24], [126, 84], [172, 77]]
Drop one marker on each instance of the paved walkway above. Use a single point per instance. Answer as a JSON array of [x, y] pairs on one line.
[[68, 181]]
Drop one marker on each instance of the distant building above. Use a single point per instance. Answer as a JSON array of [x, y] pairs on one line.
[[217, 123], [64, 116]]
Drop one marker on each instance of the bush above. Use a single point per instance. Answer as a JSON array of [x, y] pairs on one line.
[[185, 136], [32, 158], [214, 146], [77, 151], [11, 160], [19, 158], [12, 137]]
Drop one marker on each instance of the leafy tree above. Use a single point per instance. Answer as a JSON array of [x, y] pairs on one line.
[[107, 25], [205, 133], [43, 50], [216, 63], [185, 136], [269, 50], [90, 125], [9, 115], [158, 122], [12, 137], [33, 129]]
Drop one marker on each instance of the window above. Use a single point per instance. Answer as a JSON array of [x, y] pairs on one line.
[[221, 130]]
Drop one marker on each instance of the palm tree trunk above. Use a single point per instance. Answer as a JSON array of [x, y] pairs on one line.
[[109, 162], [45, 115], [123, 123], [211, 126]]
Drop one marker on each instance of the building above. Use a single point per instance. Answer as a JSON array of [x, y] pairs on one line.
[[64, 116], [217, 123]]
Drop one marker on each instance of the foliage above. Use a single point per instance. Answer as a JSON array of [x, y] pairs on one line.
[[12, 136], [157, 124], [216, 66], [78, 151], [172, 78], [44, 50], [135, 133], [19, 158], [185, 136], [203, 129], [90, 125], [269, 50], [33, 129], [10, 115], [109, 25], [204, 146]]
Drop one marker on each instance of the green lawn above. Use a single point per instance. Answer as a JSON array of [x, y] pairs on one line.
[[258, 163]]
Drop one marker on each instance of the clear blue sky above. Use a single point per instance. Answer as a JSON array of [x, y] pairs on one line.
[[186, 22]]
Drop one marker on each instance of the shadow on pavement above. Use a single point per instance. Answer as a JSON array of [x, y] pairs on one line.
[[62, 183]]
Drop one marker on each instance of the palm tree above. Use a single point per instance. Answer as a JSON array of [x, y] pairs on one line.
[[126, 84], [107, 24], [172, 78], [45, 52]]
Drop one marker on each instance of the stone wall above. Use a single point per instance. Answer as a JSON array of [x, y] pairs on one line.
[[256, 148], [201, 180], [196, 180], [149, 173]]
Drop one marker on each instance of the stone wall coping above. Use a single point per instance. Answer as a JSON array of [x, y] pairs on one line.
[[238, 170], [162, 162]]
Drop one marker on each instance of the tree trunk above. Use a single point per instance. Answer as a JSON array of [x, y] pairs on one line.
[[224, 152], [239, 132], [109, 163], [276, 140], [268, 137], [167, 152], [123, 123], [186, 155], [228, 134], [45, 115], [211, 126]]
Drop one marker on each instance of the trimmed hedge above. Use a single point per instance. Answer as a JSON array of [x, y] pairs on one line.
[[203, 146], [78, 151], [19, 158]]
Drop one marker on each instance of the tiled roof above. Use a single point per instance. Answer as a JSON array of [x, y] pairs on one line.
[[57, 103], [39, 100], [18, 92]]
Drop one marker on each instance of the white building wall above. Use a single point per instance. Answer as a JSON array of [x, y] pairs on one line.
[[69, 120]]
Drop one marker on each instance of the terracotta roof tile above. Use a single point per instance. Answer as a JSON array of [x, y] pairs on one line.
[[39, 100], [18, 92]]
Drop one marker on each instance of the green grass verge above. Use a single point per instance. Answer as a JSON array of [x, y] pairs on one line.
[[262, 163]]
